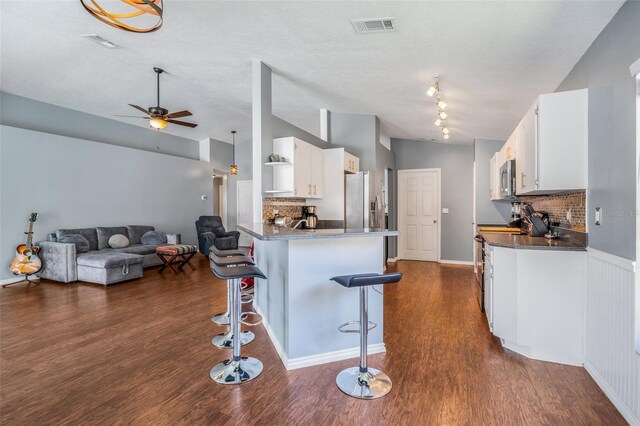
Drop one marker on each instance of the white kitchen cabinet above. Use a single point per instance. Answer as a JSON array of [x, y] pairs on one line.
[[302, 175], [488, 285], [551, 156], [494, 177], [351, 163], [534, 302], [317, 171]]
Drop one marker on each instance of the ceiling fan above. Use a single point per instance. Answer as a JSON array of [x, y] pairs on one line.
[[159, 117]]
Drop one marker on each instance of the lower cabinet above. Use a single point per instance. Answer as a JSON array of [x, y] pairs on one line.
[[536, 302]]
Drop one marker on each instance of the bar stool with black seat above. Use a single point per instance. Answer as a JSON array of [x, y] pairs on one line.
[[364, 382], [237, 369], [223, 318], [225, 340]]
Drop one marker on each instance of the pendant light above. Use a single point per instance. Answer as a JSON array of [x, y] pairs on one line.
[[233, 169]]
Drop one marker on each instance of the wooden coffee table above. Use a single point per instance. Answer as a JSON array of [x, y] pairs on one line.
[[176, 253]]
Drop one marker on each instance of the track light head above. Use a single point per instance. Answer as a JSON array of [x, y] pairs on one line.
[[435, 87]]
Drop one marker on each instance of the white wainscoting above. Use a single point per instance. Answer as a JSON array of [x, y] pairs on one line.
[[611, 358]]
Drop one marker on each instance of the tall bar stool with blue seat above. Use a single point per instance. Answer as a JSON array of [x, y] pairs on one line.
[[237, 369], [225, 340], [224, 318], [364, 382]]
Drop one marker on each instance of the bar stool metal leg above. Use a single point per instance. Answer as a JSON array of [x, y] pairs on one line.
[[238, 369], [225, 340], [363, 382]]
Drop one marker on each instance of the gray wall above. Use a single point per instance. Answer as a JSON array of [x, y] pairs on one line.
[[16, 111], [283, 129], [488, 212], [386, 159], [80, 183], [604, 69], [456, 163]]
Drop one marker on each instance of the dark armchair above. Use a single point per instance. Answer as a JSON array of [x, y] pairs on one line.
[[212, 233]]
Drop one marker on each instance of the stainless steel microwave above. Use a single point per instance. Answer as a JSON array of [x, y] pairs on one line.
[[508, 179]]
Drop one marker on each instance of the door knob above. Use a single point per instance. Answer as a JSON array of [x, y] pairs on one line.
[[435, 221]]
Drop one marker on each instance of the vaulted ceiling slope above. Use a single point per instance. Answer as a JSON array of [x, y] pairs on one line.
[[493, 59]]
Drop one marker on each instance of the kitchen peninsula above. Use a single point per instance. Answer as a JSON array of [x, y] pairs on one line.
[[300, 305]]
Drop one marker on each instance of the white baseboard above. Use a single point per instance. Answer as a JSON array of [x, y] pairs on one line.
[[613, 397], [526, 351], [457, 262], [11, 280], [392, 260], [323, 358], [327, 357]]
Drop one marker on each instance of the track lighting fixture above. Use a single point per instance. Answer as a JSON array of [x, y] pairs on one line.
[[442, 114], [445, 130], [438, 121], [446, 137], [441, 104], [435, 87]]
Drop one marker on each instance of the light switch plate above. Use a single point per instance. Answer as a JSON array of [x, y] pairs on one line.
[[598, 215], [445, 210], [203, 197]]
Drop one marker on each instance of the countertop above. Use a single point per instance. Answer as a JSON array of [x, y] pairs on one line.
[[269, 232], [526, 242]]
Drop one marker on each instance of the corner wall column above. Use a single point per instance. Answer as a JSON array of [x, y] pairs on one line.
[[262, 134]]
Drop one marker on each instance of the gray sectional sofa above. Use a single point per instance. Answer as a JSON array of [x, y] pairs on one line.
[[101, 264]]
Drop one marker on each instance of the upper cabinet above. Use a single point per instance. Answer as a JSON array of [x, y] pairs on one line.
[[351, 163], [494, 178], [552, 156], [550, 145], [302, 175]]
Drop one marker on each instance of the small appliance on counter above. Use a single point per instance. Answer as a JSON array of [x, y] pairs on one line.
[[516, 220], [309, 214]]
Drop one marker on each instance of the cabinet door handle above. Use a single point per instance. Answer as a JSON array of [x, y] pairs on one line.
[[314, 190], [522, 176], [309, 189]]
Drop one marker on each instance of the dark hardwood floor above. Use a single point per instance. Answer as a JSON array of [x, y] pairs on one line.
[[140, 353]]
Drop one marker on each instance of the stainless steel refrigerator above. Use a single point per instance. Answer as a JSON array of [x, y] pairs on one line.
[[358, 211]]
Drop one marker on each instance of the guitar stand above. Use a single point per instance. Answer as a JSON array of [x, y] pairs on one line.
[[26, 279]]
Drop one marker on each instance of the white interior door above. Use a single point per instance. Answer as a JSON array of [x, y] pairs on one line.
[[419, 214], [244, 192]]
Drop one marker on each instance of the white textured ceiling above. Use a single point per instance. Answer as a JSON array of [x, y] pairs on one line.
[[493, 59]]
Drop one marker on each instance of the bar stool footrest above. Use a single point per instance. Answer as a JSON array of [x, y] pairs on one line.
[[246, 315], [344, 328]]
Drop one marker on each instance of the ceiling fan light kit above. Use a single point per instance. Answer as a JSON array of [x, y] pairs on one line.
[[158, 116], [137, 8]]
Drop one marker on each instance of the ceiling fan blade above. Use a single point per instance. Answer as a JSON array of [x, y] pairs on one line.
[[131, 116], [139, 108], [182, 123], [178, 114]]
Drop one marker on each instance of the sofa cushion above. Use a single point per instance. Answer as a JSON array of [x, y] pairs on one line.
[[108, 260], [137, 231], [154, 238], [89, 233], [81, 242], [139, 249], [104, 233], [118, 241]]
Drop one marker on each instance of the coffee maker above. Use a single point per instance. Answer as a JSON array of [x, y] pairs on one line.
[[309, 214]]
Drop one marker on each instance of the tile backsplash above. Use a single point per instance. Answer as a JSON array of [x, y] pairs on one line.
[[291, 207], [557, 206]]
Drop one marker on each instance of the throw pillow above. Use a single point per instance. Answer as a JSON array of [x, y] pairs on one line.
[[118, 241], [154, 238], [81, 242]]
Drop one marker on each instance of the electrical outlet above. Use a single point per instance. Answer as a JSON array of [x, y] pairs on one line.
[[598, 216], [569, 216], [203, 197], [275, 211], [445, 210]]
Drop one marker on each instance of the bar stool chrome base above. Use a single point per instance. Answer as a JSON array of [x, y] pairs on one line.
[[371, 384], [231, 372], [223, 318], [225, 340]]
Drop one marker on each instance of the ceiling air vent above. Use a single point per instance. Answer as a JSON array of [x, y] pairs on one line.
[[377, 25], [97, 39]]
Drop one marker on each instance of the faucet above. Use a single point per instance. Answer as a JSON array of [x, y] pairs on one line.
[[299, 222]]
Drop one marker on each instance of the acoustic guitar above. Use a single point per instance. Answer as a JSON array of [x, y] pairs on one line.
[[27, 261]]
